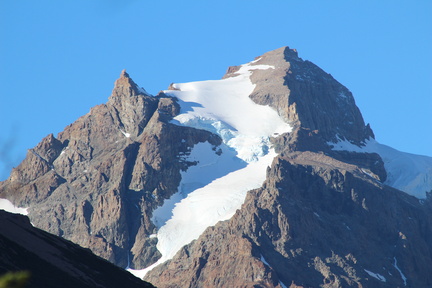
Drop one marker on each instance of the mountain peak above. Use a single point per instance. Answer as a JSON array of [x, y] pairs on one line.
[[307, 97], [124, 74], [132, 104], [139, 178], [125, 86], [278, 59], [284, 54]]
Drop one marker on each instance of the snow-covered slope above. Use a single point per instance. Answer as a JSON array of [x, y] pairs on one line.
[[216, 187], [224, 107], [9, 207], [407, 172]]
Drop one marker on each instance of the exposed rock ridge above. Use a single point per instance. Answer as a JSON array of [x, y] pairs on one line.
[[131, 106], [320, 109], [98, 182], [308, 97], [126, 86], [316, 222]]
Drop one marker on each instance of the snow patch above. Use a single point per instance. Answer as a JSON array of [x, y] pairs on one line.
[[264, 261], [407, 172], [400, 271], [343, 95], [376, 275], [9, 207], [370, 174], [127, 135]]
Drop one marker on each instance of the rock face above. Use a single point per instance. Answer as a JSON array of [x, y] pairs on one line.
[[316, 222], [53, 261], [322, 218], [98, 182], [308, 97]]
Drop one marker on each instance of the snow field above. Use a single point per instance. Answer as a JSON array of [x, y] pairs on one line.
[[210, 204], [224, 107], [216, 187]]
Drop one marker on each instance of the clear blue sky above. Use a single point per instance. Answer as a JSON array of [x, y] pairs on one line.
[[60, 58]]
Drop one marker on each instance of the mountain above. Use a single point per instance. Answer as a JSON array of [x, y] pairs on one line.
[[268, 177], [53, 261]]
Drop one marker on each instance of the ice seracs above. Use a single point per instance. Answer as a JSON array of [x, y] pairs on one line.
[[216, 187], [224, 107]]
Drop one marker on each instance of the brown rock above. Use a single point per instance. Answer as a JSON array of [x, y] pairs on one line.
[[304, 228], [99, 181], [304, 95]]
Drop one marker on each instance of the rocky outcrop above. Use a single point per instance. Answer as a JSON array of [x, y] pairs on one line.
[[54, 262], [98, 182], [316, 222], [307, 97]]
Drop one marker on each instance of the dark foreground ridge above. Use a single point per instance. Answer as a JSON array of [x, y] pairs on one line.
[[53, 261]]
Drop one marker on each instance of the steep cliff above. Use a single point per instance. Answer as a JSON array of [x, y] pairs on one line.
[[97, 183], [316, 222]]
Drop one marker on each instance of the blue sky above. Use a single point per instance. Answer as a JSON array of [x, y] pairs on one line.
[[60, 58]]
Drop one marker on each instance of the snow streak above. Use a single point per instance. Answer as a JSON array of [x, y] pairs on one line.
[[216, 187]]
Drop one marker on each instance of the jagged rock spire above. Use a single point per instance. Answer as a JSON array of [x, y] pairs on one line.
[[124, 73], [125, 86], [133, 106]]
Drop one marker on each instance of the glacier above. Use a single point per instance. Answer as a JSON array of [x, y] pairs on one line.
[[216, 187]]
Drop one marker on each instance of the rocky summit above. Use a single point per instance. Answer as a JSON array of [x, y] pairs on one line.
[[268, 177]]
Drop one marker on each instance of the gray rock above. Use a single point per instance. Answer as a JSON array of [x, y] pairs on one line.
[[98, 182], [316, 222], [307, 97]]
